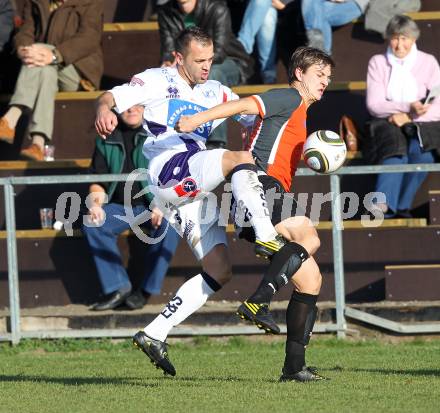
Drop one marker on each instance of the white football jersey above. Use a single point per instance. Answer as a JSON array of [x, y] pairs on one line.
[[166, 96]]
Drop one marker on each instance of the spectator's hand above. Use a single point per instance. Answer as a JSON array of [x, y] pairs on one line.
[[278, 5], [185, 124], [22, 52], [399, 119], [418, 108], [37, 55], [96, 214], [156, 217], [105, 122]]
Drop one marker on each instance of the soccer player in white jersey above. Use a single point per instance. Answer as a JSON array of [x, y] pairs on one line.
[[182, 172]]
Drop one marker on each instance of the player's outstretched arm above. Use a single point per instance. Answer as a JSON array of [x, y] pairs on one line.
[[106, 121], [245, 106]]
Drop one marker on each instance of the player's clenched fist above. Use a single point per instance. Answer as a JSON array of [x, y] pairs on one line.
[[105, 123], [185, 124], [106, 120]]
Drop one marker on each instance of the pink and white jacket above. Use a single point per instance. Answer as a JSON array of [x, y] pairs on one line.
[[426, 71]]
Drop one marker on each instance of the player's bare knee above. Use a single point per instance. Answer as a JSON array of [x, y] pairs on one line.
[[310, 241], [308, 282], [221, 275], [314, 283], [317, 282], [225, 277], [220, 270], [232, 161], [242, 157], [314, 243]]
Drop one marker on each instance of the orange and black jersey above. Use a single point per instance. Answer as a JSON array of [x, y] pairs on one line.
[[279, 133]]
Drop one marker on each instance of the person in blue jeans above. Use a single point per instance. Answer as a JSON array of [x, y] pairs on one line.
[[109, 202], [259, 26], [401, 188], [404, 129], [321, 15]]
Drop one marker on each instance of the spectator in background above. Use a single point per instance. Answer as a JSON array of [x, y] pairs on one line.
[[6, 22], [321, 15], [380, 12], [259, 26], [59, 45], [121, 152], [404, 129], [232, 65]]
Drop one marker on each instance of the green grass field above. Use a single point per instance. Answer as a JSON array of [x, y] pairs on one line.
[[233, 375]]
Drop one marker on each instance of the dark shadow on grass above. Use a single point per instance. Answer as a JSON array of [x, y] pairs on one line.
[[80, 381], [214, 378], [119, 381], [420, 372], [220, 379]]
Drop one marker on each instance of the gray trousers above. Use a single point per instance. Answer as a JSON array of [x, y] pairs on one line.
[[36, 89]]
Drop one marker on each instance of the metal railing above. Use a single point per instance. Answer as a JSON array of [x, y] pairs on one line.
[[340, 326]]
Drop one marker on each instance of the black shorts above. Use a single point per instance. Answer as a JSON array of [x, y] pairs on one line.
[[281, 204]]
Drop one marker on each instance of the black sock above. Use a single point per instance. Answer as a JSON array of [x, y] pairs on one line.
[[213, 284], [300, 318], [284, 264]]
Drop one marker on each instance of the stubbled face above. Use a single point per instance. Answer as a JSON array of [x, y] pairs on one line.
[[187, 6], [133, 116], [194, 65], [315, 79], [401, 45]]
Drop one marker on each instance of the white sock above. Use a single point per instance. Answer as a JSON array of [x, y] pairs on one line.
[[188, 299], [248, 193], [38, 140], [12, 116]]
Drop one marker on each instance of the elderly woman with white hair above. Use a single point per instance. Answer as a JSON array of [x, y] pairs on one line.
[[405, 128]]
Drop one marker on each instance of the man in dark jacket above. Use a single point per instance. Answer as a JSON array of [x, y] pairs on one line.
[[121, 152], [231, 66], [59, 45]]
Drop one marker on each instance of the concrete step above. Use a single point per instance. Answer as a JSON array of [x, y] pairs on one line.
[[215, 318]]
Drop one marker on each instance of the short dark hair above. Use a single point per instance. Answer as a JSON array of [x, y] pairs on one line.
[[304, 57], [191, 33]]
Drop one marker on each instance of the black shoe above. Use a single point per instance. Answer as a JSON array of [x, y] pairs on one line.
[[260, 315], [404, 213], [269, 248], [115, 300], [215, 145], [137, 300], [156, 351], [305, 375]]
